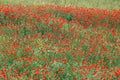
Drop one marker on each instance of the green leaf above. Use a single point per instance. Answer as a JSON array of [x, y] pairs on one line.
[[73, 43]]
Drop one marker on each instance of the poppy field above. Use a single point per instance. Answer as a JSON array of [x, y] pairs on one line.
[[55, 42]]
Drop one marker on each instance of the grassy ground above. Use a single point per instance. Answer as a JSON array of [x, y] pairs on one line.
[[87, 3]]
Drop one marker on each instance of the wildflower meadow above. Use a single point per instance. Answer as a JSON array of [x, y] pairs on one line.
[[59, 41]]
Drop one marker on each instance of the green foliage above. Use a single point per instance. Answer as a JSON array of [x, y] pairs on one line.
[[67, 16], [87, 3]]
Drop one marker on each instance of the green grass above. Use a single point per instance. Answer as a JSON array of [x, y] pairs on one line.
[[84, 3]]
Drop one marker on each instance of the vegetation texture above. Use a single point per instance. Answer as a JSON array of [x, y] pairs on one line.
[[55, 42]]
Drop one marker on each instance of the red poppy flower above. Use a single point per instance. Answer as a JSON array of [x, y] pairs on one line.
[[117, 72], [15, 44], [27, 48], [0, 25]]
